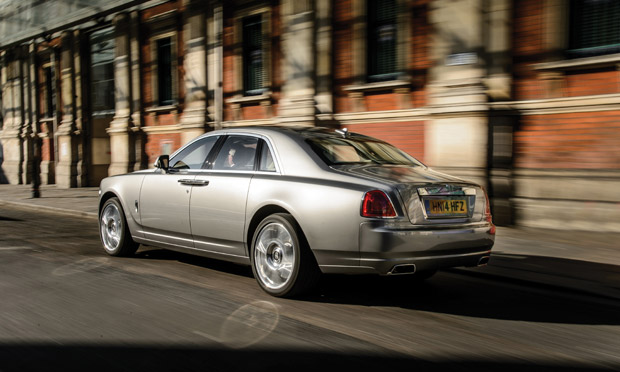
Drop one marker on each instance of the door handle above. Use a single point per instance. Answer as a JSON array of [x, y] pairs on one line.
[[187, 182]]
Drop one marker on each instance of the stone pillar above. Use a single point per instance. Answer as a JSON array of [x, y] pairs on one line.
[[10, 136], [297, 104], [34, 116], [324, 87], [136, 86], [195, 65], [215, 56], [28, 122], [456, 136], [501, 121], [82, 119], [66, 169], [120, 130]]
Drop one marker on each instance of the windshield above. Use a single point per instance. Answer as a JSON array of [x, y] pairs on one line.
[[359, 150]]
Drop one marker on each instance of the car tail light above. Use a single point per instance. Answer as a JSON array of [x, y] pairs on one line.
[[377, 204], [487, 213]]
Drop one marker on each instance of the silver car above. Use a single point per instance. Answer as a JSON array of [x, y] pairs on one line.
[[297, 202]]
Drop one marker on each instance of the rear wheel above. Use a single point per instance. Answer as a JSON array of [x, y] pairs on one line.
[[113, 230], [282, 262]]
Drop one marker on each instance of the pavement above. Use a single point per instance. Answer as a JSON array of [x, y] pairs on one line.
[[582, 262]]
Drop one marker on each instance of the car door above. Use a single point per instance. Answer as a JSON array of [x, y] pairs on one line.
[[165, 195], [217, 211]]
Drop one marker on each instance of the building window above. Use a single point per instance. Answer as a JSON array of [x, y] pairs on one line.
[[102, 71], [381, 34], [49, 93], [594, 27], [253, 66], [164, 69]]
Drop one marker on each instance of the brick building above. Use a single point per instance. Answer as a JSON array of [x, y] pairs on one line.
[[521, 96]]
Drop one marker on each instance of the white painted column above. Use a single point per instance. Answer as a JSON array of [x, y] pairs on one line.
[[195, 65], [298, 105], [120, 130]]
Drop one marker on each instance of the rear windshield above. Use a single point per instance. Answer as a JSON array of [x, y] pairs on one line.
[[359, 150]]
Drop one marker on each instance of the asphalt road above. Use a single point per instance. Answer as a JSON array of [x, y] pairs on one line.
[[65, 305]]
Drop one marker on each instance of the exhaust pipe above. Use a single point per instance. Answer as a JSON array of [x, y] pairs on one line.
[[403, 269], [483, 261]]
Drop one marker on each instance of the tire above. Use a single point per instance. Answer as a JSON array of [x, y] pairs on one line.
[[113, 230], [282, 262]]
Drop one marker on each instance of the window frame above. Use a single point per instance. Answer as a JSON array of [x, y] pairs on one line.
[[579, 51], [265, 13], [173, 68], [361, 48], [193, 146], [372, 45], [112, 32]]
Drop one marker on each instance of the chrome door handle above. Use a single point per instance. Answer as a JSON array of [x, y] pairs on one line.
[[187, 182]]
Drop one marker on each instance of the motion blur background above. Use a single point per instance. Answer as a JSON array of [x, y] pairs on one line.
[[520, 96]]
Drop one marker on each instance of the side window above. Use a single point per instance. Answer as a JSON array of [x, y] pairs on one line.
[[194, 155], [266, 159], [237, 153]]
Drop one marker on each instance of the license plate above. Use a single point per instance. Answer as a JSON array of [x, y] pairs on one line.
[[447, 207]]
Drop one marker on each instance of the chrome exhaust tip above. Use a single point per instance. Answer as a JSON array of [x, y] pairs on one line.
[[483, 261], [403, 269]]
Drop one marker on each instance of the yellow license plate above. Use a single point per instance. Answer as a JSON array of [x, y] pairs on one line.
[[448, 207]]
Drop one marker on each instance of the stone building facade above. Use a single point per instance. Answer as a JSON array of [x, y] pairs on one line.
[[521, 96]]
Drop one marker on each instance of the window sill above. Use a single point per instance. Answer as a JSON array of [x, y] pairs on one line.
[[162, 109], [250, 99], [580, 63], [382, 85]]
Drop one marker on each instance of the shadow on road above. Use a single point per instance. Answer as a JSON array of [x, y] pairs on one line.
[[451, 293], [68, 357]]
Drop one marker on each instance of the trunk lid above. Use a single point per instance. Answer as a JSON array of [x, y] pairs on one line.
[[427, 196]]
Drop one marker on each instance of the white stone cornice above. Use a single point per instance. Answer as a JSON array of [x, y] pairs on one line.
[[564, 105], [379, 116], [162, 129]]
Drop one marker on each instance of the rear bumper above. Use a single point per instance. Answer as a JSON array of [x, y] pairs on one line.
[[385, 245]]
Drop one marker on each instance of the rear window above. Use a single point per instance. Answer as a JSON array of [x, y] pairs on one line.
[[357, 149]]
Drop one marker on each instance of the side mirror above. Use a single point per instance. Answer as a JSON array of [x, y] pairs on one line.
[[162, 162]]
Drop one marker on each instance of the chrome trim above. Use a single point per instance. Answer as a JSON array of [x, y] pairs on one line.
[[191, 248], [425, 258], [452, 190], [391, 272]]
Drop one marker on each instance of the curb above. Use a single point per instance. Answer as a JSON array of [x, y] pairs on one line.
[[48, 209]]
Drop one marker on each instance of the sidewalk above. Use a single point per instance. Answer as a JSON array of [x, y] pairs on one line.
[[583, 262]]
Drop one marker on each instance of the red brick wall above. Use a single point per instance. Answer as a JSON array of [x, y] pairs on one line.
[[417, 64], [155, 143], [583, 83], [569, 141], [407, 136], [587, 140], [147, 70], [342, 52], [528, 48], [419, 61], [251, 111]]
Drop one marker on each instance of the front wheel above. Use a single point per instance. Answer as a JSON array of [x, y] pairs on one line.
[[282, 262], [113, 230]]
